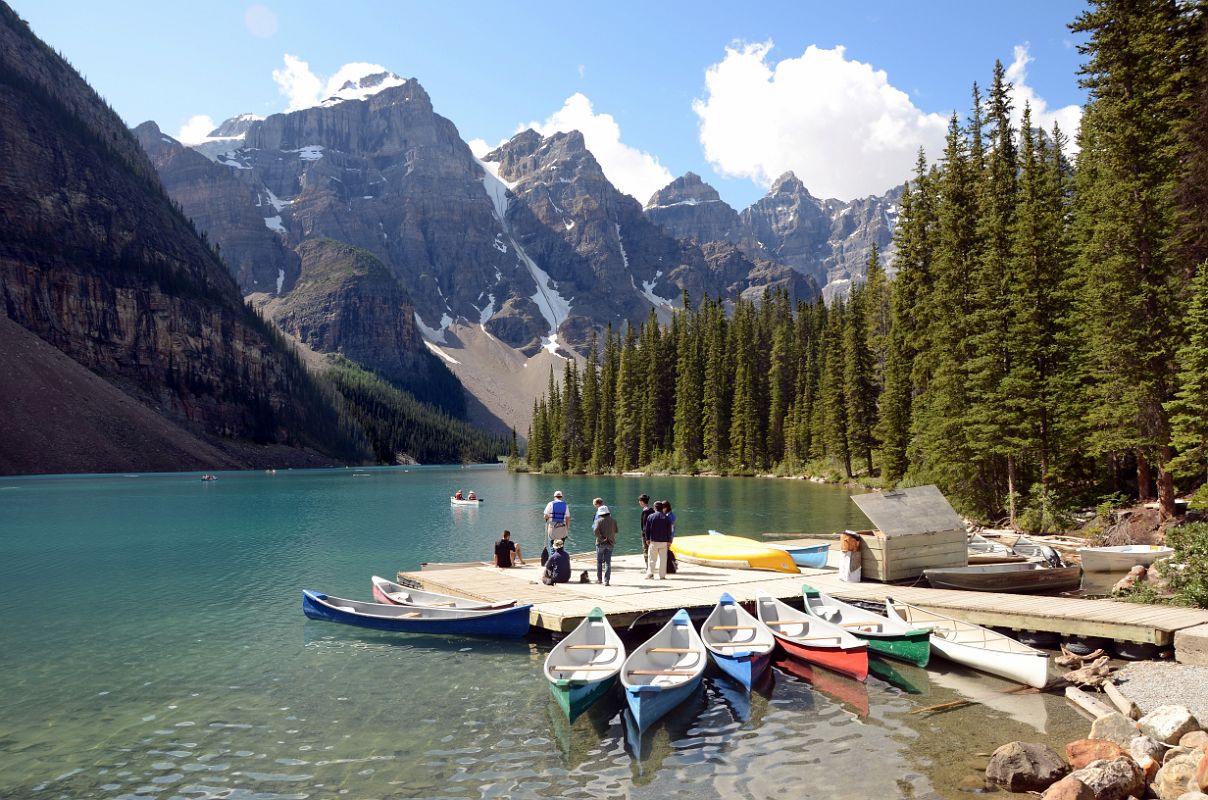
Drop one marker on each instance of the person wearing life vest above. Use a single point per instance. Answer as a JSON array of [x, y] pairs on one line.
[[557, 519]]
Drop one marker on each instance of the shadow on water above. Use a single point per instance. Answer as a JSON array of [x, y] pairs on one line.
[[597, 729], [653, 746], [851, 694], [744, 707], [907, 677]]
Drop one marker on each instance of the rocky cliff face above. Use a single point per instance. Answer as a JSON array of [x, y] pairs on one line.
[[233, 210], [346, 301], [95, 260], [829, 241]]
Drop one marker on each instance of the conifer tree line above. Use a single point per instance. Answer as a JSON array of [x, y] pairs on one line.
[[1043, 337]]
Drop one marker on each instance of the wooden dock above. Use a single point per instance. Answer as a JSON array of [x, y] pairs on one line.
[[558, 609]]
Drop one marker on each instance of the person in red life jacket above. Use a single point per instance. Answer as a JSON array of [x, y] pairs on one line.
[[457, 495], [557, 519]]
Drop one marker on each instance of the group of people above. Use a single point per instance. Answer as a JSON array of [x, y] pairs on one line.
[[657, 526], [459, 496]]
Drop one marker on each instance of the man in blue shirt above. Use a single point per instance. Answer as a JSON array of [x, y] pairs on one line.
[[557, 569]]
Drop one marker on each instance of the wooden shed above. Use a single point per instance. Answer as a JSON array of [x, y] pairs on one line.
[[916, 528]]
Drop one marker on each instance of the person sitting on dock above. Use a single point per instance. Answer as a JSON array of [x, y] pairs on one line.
[[557, 569], [605, 529], [504, 548], [557, 518]]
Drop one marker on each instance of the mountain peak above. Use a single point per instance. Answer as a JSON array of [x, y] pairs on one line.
[[688, 189], [364, 87], [789, 183], [234, 128]]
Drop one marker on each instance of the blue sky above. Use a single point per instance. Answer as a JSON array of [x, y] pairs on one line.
[[841, 93]]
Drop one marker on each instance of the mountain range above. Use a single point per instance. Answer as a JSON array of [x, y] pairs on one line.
[[530, 248]]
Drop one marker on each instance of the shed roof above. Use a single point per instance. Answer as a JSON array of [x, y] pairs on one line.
[[902, 512]]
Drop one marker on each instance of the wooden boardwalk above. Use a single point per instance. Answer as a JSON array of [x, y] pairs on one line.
[[560, 608]]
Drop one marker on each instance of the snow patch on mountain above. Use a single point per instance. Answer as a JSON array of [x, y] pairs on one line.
[[363, 88], [554, 307]]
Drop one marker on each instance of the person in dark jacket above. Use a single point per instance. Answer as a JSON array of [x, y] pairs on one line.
[[507, 552], [557, 569], [644, 504], [658, 531]]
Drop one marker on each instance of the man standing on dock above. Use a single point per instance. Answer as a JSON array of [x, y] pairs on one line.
[[658, 531], [557, 520], [644, 504]]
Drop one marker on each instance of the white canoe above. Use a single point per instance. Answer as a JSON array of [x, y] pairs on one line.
[[585, 664], [976, 647], [464, 502], [391, 593], [1122, 558]]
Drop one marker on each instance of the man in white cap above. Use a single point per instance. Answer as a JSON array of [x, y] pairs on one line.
[[605, 529], [557, 519]]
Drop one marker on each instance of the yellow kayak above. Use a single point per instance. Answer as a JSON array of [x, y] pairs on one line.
[[731, 552]]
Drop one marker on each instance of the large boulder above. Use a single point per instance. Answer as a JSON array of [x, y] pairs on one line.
[[1201, 772], [1113, 780], [1194, 739], [1168, 723], [1175, 777], [1116, 728], [1025, 767], [1068, 788], [1084, 751]]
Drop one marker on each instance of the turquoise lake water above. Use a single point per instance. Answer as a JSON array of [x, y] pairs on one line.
[[153, 646]]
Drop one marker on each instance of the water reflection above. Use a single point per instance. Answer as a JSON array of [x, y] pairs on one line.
[[907, 677], [848, 692]]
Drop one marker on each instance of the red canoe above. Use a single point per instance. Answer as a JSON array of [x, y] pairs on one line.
[[810, 639]]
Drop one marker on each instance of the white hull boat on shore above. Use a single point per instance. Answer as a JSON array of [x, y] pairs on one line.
[[1122, 558]]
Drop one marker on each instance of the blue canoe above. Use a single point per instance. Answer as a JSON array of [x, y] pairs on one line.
[[740, 644], [664, 671], [416, 619], [806, 555]]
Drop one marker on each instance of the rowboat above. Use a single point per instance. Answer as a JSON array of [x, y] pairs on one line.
[[977, 647], [811, 556], [731, 552], [889, 637], [808, 638], [584, 666], [1121, 558], [1030, 576], [395, 594], [740, 644], [512, 621], [464, 502], [664, 670]]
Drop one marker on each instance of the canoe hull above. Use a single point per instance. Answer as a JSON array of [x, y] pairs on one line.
[[575, 697], [455, 502], [1030, 670], [648, 704], [850, 662], [732, 551], [886, 636], [746, 668], [811, 556], [913, 647], [509, 622]]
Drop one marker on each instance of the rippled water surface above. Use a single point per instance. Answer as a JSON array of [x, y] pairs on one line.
[[153, 646]]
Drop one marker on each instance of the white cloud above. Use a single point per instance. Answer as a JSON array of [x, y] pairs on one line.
[[1069, 117], [480, 148], [196, 129], [303, 88], [837, 123], [260, 21], [629, 169]]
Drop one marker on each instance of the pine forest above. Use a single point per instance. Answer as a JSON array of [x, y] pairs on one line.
[[1041, 338]]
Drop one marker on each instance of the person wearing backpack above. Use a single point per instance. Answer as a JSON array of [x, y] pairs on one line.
[[605, 529]]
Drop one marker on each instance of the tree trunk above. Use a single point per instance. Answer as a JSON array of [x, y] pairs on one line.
[[1166, 485], [1011, 488], [1144, 478]]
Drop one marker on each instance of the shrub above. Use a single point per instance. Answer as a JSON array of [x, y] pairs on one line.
[[1190, 579]]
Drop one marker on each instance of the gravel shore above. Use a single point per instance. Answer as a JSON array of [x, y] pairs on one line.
[[1150, 684]]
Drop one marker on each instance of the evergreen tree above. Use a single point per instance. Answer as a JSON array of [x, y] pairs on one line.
[[832, 401], [689, 389], [1137, 75], [716, 398], [628, 403], [858, 389], [1189, 409]]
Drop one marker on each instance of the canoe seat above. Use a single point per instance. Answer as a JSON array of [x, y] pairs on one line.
[[410, 615], [874, 627], [591, 647], [731, 627], [580, 668], [403, 596], [662, 672], [671, 650]]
